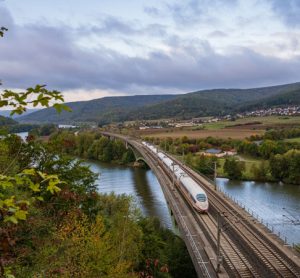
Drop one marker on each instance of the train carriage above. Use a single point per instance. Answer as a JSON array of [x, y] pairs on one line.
[[192, 191]]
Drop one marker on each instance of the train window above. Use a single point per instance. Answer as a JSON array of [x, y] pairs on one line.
[[201, 197]]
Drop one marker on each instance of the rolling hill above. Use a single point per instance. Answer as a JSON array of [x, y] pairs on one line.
[[6, 113], [282, 99], [219, 102], [195, 104], [104, 110], [5, 121]]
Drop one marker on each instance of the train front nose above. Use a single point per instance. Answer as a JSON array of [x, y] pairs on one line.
[[203, 206]]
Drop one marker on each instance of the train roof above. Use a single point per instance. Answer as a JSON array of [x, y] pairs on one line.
[[193, 187]]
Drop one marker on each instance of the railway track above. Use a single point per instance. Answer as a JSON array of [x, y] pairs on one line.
[[199, 258], [272, 262], [242, 242], [236, 263]]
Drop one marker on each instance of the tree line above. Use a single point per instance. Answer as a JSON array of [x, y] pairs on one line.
[[270, 151], [91, 145]]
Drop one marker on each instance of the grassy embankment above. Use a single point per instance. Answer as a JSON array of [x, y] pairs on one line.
[[249, 163]]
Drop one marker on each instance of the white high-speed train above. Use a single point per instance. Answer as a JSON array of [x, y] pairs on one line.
[[192, 191]]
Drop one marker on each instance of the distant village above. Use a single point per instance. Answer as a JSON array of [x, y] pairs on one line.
[[280, 111], [276, 111]]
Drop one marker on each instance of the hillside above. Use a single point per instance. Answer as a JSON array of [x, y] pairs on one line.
[[218, 102], [195, 104], [5, 121], [285, 98], [6, 113], [103, 110]]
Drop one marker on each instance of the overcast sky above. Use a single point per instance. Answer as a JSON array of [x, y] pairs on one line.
[[89, 49]]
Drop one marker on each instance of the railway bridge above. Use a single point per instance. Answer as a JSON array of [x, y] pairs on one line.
[[227, 241]]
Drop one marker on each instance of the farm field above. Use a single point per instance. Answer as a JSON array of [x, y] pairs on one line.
[[256, 122], [220, 133], [238, 129]]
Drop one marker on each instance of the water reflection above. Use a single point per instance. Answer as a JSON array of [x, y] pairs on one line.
[[139, 183]]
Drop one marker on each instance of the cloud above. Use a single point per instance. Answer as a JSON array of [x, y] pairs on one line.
[[194, 11], [50, 55], [152, 11], [217, 34], [5, 18], [111, 25], [288, 11], [84, 94]]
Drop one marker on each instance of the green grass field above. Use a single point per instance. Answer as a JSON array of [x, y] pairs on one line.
[[293, 140], [249, 163], [265, 122]]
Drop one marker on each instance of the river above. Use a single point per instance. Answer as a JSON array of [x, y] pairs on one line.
[[277, 204], [23, 135]]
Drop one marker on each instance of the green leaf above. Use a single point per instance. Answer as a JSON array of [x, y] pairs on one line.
[[23, 202], [10, 202], [52, 186], [21, 214], [35, 187], [5, 184], [12, 219], [3, 103], [30, 172], [57, 107], [42, 175]]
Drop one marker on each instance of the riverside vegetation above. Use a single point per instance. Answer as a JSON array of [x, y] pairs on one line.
[[91, 145], [270, 157]]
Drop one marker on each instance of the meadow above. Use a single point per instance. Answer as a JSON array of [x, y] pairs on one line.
[[293, 140]]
